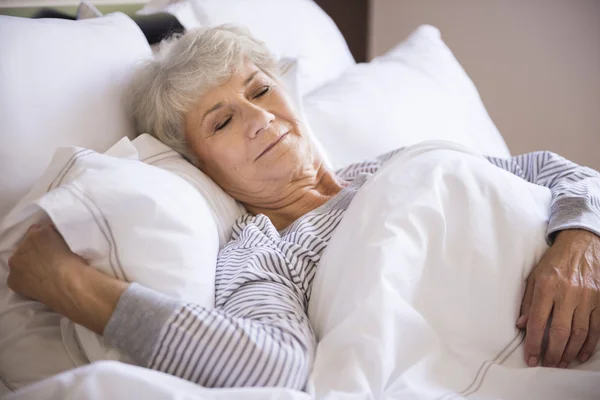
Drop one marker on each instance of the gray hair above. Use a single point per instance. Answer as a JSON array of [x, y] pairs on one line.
[[164, 88]]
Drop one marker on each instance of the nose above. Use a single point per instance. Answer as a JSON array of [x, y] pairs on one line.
[[259, 119]]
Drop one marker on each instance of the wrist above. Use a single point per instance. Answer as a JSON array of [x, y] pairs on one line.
[[90, 297], [574, 234]]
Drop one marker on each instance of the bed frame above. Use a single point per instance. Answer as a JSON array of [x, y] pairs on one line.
[[352, 18]]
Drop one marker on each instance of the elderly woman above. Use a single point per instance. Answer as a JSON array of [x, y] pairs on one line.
[[214, 95]]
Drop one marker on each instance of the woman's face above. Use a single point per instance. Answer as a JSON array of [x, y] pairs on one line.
[[248, 137]]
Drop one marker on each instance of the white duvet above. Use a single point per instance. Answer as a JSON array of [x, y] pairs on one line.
[[416, 297], [419, 290]]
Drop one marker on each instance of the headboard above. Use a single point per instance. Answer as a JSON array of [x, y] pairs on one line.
[[352, 18]]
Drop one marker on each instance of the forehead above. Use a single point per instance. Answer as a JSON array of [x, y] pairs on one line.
[[237, 80]]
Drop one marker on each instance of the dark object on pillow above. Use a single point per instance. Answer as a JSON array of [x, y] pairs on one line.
[[155, 27]]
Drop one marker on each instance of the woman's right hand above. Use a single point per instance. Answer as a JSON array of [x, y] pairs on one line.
[[40, 266], [45, 269]]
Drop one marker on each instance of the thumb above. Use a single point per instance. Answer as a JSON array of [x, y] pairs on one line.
[[526, 304]]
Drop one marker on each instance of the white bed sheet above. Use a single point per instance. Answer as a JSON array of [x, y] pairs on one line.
[[112, 380]]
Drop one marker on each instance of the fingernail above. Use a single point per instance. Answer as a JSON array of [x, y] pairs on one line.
[[533, 362], [563, 364], [521, 320], [584, 357]]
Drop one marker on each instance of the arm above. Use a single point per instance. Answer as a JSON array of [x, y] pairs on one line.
[[563, 290], [575, 189], [260, 335], [260, 338]]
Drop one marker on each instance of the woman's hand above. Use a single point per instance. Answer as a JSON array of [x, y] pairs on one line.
[[40, 266], [566, 285], [44, 269]]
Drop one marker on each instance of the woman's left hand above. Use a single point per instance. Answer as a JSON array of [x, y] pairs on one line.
[[566, 285]]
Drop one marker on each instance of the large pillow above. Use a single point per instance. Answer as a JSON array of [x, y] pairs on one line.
[[297, 29], [33, 344], [61, 83], [131, 220], [417, 91], [225, 210]]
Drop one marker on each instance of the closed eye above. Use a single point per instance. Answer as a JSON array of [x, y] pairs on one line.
[[263, 90], [223, 124]]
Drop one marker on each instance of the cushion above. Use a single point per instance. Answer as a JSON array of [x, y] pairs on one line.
[[61, 83], [290, 28], [417, 91], [224, 209], [130, 220]]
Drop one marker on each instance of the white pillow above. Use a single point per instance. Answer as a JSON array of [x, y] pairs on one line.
[[33, 344], [128, 219], [224, 209], [417, 91], [297, 29], [61, 83]]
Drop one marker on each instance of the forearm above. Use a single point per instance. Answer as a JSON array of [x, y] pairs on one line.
[[89, 297], [575, 189], [214, 347]]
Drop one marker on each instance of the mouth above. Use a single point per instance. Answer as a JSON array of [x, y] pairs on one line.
[[265, 151]]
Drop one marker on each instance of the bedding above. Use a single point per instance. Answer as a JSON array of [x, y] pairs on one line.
[[108, 209], [434, 251], [290, 28], [417, 91], [35, 343], [427, 306], [65, 89]]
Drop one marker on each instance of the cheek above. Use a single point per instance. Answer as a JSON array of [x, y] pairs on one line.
[[226, 155]]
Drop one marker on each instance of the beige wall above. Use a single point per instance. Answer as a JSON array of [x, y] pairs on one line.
[[536, 64]]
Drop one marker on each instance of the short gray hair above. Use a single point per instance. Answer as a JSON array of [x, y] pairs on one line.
[[185, 66]]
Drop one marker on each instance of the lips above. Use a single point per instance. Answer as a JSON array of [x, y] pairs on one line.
[[269, 147]]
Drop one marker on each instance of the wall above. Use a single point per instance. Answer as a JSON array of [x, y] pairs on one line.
[[536, 64]]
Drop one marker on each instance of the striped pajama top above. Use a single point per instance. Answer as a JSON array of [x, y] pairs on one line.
[[259, 333]]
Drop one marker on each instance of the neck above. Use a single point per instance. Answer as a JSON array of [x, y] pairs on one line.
[[303, 198]]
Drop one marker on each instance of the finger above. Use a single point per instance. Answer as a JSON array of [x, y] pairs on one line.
[[526, 304], [579, 334], [592, 338], [559, 333], [541, 306]]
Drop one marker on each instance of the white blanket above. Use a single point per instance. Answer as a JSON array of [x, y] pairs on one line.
[[416, 298], [419, 290]]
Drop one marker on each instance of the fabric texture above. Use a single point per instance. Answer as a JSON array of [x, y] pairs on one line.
[[131, 220], [259, 333], [415, 92], [419, 291], [66, 89]]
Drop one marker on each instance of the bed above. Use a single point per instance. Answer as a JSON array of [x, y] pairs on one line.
[[379, 337]]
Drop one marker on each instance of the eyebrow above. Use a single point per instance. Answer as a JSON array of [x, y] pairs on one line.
[[221, 104], [247, 81], [213, 108]]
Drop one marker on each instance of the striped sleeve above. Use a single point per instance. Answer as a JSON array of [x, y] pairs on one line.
[[575, 189], [258, 335]]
